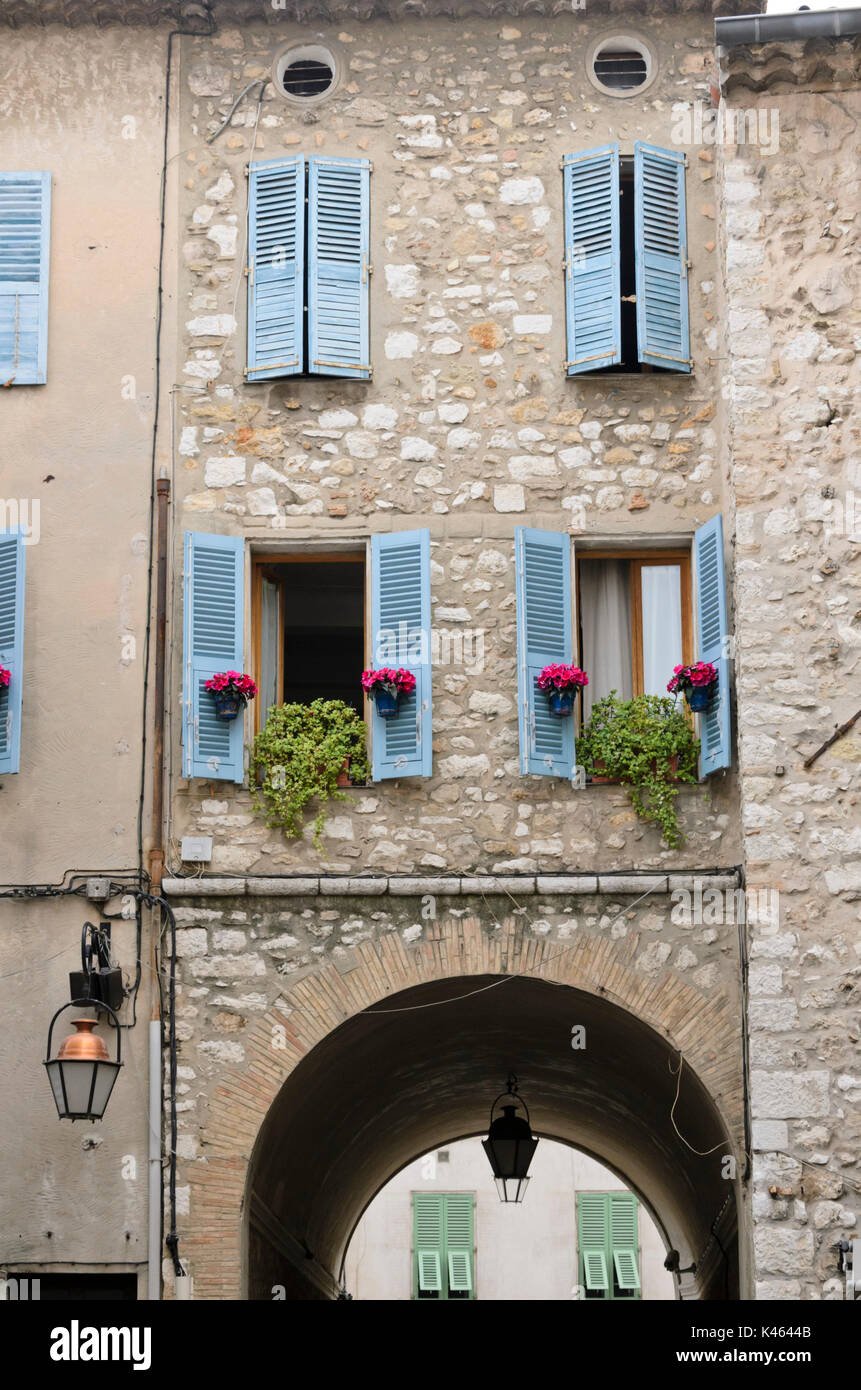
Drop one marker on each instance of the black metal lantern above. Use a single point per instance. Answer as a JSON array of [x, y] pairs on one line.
[[82, 1074], [510, 1145]]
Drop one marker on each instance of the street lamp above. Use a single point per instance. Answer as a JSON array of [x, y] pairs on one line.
[[510, 1145], [82, 1074]]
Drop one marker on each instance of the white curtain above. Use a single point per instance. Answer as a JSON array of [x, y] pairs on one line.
[[270, 636], [605, 622], [662, 625]]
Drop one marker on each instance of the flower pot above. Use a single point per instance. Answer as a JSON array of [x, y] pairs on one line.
[[387, 704], [344, 779], [561, 703], [227, 706], [700, 697]]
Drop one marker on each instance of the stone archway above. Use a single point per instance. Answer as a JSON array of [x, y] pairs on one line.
[[354, 1073]]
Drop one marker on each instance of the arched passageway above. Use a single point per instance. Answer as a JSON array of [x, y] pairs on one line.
[[413, 1072]]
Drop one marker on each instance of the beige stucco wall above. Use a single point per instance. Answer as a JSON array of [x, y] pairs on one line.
[[86, 105], [523, 1252]]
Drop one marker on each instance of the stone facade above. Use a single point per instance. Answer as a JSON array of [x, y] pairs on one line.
[[791, 247]]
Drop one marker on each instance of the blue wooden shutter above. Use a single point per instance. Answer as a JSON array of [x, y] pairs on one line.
[[11, 647], [592, 285], [25, 236], [401, 626], [339, 205], [544, 635], [660, 248], [213, 641], [276, 268], [713, 643]]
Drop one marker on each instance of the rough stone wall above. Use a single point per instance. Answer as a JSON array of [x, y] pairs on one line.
[[469, 425], [792, 242]]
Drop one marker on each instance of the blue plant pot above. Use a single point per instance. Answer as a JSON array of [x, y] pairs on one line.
[[561, 703], [226, 706], [700, 697], [387, 705]]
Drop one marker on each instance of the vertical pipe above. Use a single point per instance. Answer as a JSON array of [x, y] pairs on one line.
[[155, 1184], [157, 850]]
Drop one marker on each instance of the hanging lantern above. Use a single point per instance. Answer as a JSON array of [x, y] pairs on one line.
[[510, 1146], [82, 1074]]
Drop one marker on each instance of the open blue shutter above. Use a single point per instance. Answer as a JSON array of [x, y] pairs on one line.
[[276, 266], [544, 635], [25, 236], [401, 625], [592, 285], [11, 647], [713, 643], [339, 215], [213, 641], [660, 247]]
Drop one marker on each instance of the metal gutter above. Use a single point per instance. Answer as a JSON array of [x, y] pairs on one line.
[[734, 31]]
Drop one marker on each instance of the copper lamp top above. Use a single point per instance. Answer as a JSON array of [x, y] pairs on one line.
[[83, 1046]]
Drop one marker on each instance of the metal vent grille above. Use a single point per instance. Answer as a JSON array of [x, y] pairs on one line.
[[621, 69], [307, 77]]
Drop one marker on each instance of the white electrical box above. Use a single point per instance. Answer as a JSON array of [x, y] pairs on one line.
[[196, 849]]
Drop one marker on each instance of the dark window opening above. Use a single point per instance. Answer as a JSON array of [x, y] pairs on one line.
[[307, 77], [316, 616], [628, 278], [620, 69]]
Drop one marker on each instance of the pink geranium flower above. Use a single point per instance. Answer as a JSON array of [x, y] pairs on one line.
[[234, 683], [561, 677], [696, 677], [399, 682], [5, 676]]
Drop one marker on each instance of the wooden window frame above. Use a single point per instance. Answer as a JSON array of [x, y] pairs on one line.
[[263, 561], [639, 560]]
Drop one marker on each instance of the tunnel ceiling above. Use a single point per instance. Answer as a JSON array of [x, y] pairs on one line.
[[388, 1086]]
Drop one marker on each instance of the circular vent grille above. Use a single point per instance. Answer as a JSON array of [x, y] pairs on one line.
[[620, 69], [307, 77]]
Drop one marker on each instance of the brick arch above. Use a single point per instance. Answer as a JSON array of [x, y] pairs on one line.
[[703, 1027]]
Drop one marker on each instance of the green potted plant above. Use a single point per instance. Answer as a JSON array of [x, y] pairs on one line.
[[300, 756], [647, 744]]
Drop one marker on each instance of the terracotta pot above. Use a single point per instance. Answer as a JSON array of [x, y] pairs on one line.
[[344, 779]]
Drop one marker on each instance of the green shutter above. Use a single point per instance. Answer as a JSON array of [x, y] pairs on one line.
[[627, 1274], [593, 1223], [624, 1239], [443, 1241], [595, 1269], [430, 1278]]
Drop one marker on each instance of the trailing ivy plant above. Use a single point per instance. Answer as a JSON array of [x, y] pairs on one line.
[[634, 741], [297, 758]]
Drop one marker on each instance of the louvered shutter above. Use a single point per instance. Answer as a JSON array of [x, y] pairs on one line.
[[339, 267], [276, 268], [11, 647], [401, 625], [25, 233], [544, 635], [592, 284], [592, 1234], [624, 1239], [428, 1240], [459, 1217], [213, 641], [713, 643], [660, 250]]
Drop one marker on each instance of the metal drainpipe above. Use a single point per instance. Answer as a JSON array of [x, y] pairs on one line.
[[732, 31], [156, 860]]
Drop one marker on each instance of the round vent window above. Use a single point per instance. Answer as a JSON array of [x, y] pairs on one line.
[[620, 65], [305, 74]]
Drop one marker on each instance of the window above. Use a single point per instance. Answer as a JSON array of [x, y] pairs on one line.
[[633, 619], [12, 554], [620, 66], [305, 73], [626, 269], [443, 1245], [309, 268], [608, 1245], [25, 230], [308, 640]]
